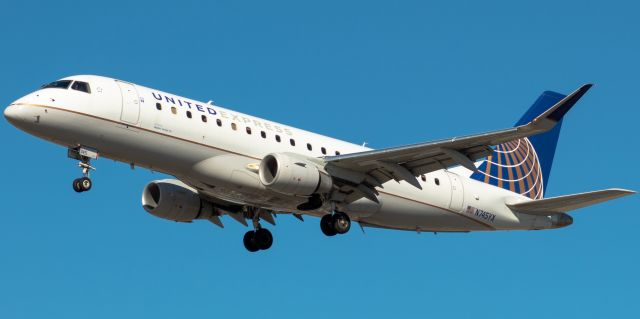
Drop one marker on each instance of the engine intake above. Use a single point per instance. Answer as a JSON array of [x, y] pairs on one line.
[[173, 200], [291, 175]]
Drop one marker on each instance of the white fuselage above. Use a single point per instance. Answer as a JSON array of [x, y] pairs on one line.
[[123, 122]]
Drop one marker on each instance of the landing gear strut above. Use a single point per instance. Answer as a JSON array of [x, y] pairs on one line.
[[84, 155], [338, 223]]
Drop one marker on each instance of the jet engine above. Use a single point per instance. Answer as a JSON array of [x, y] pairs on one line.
[[291, 175], [173, 200]]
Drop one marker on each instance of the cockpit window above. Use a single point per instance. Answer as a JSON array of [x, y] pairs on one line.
[[81, 86], [62, 84]]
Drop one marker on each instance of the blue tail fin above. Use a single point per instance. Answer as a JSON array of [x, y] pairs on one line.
[[523, 165]]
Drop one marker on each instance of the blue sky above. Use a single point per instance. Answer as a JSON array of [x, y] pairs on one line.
[[373, 71]]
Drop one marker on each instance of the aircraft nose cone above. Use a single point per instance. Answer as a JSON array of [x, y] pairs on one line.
[[12, 113]]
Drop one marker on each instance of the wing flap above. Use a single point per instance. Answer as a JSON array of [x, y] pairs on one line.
[[562, 204]]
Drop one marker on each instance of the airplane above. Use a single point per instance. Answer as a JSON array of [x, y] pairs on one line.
[[227, 163]]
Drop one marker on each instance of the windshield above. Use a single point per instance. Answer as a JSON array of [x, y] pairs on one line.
[[81, 86], [62, 84]]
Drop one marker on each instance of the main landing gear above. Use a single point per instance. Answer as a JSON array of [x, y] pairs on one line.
[[338, 223], [259, 238], [84, 155]]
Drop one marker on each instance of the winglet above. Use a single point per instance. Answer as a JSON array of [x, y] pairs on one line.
[[558, 110]]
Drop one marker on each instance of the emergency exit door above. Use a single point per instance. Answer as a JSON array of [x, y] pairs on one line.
[[457, 192], [130, 103]]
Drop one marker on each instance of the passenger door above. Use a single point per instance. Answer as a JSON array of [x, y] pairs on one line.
[[130, 103]]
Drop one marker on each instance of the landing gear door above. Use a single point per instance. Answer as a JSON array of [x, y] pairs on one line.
[[130, 103], [457, 192]]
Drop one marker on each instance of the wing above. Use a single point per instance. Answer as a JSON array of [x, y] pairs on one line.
[[370, 169], [562, 204]]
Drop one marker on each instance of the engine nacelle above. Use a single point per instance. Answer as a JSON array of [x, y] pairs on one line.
[[173, 200], [291, 175]]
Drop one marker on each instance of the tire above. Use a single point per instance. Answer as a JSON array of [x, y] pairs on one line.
[[76, 186], [249, 242], [341, 223], [85, 184], [263, 238], [326, 225]]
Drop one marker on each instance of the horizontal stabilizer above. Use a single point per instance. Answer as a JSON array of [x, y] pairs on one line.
[[562, 204]]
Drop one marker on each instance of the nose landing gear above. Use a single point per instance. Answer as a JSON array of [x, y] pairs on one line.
[[84, 155], [82, 184]]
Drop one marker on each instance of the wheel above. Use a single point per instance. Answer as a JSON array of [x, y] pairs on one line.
[[76, 185], [263, 238], [341, 222], [326, 225], [249, 241], [85, 183]]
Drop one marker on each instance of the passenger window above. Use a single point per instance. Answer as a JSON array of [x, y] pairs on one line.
[[323, 150], [278, 138], [204, 118], [158, 106], [309, 146], [248, 130], [219, 122], [189, 114], [423, 178], [437, 181], [292, 142], [337, 153], [174, 110], [234, 126], [263, 134], [81, 86]]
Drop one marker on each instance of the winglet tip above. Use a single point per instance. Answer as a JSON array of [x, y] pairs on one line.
[[587, 86], [582, 90]]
